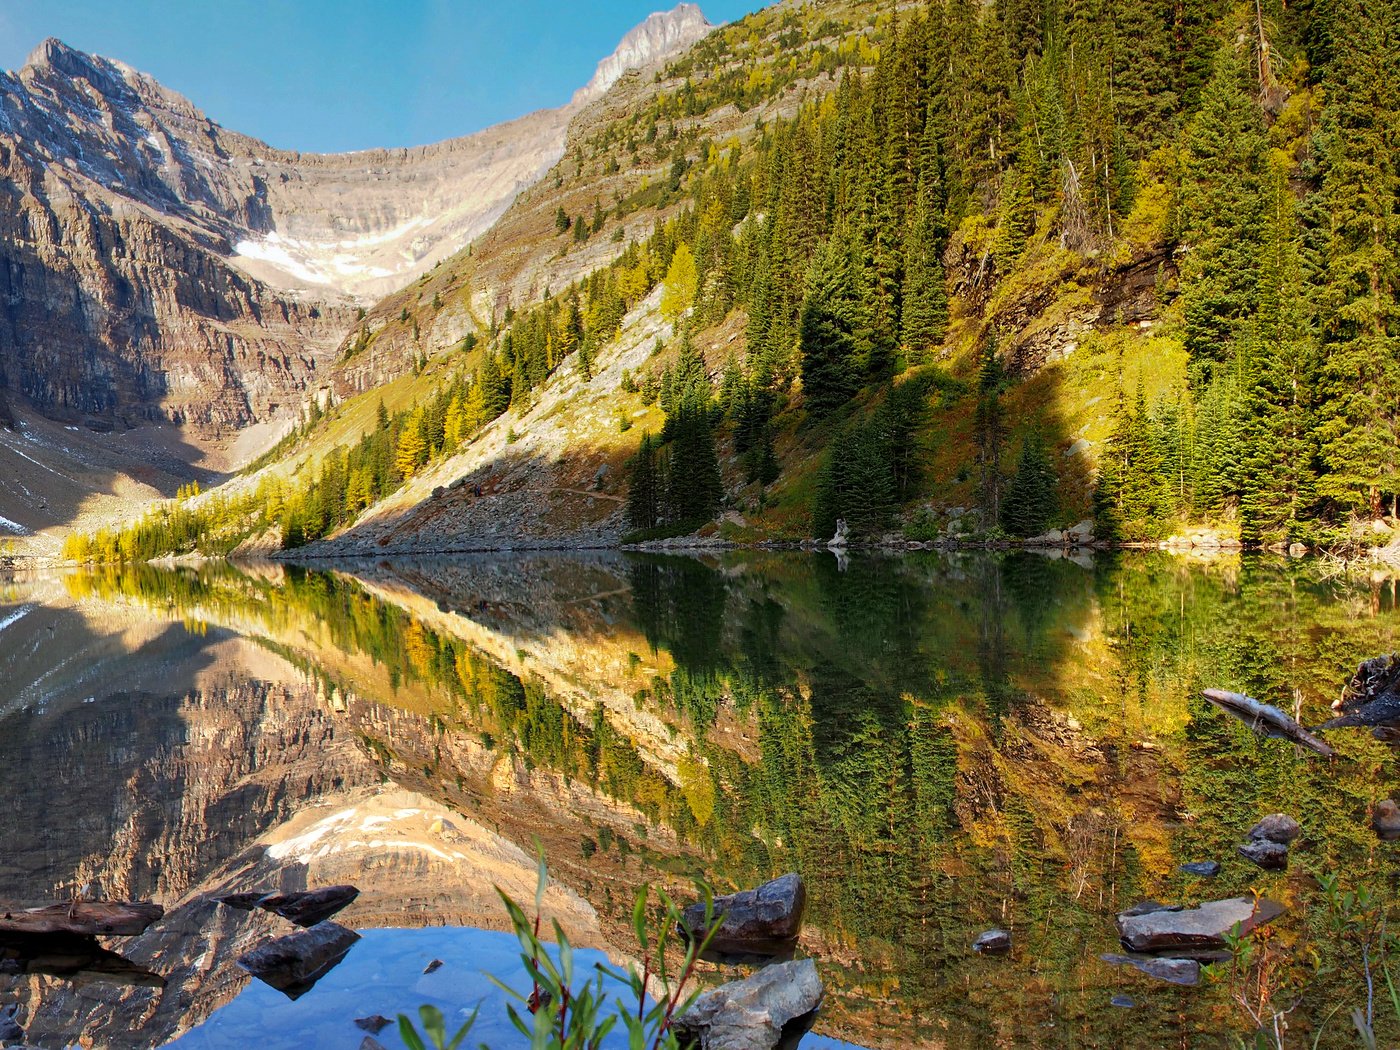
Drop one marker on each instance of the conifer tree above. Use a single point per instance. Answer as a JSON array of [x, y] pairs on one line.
[[1031, 497], [644, 487], [925, 298], [833, 330], [1222, 214], [1358, 395], [990, 431], [678, 291]]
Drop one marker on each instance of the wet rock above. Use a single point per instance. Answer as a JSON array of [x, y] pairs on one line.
[[1386, 820], [309, 907], [1204, 926], [1269, 855], [433, 967], [1202, 869], [371, 1043], [992, 942], [769, 1010], [373, 1024], [294, 963], [1174, 971], [1147, 907], [1276, 827], [241, 901], [762, 921]]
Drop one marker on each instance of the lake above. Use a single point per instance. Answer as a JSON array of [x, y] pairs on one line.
[[939, 744]]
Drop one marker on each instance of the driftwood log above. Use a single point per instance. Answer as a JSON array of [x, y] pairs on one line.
[[83, 918], [1266, 719]]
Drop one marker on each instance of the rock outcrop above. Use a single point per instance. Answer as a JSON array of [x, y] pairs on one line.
[[155, 266]]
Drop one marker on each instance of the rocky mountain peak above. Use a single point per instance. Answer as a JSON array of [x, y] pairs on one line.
[[661, 35], [53, 53]]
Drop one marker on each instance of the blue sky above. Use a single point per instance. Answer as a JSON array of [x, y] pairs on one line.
[[332, 75]]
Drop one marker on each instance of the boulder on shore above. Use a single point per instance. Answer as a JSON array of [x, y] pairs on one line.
[[763, 921], [294, 963], [1205, 926], [771, 1010]]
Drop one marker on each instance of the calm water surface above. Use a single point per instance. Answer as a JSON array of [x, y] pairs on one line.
[[939, 745]]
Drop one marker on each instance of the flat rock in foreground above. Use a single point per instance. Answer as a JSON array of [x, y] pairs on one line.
[[1204, 926], [771, 1010]]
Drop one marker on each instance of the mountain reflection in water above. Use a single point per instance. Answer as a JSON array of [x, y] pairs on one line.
[[939, 745]]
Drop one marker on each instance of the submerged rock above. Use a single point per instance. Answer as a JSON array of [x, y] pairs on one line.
[[308, 907], [10, 1030], [241, 901], [373, 1024], [1276, 827], [1269, 855], [763, 921], [993, 942], [1202, 869], [1204, 926], [294, 963], [1147, 907], [1175, 971], [1386, 820], [772, 1009]]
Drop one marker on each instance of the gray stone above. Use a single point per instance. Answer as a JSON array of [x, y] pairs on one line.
[[1123, 1001], [308, 907], [1269, 855], [1276, 827], [763, 921], [993, 942], [1204, 926], [373, 1024], [294, 963], [1202, 869], [771, 1010], [1174, 971]]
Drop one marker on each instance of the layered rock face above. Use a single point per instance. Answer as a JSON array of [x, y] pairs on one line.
[[156, 266]]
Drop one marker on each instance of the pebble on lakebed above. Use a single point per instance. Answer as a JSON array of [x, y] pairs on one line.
[[992, 942]]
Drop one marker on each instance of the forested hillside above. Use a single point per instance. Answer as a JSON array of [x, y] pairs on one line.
[[1129, 259]]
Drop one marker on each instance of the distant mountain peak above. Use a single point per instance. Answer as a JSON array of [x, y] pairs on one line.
[[660, 35]]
